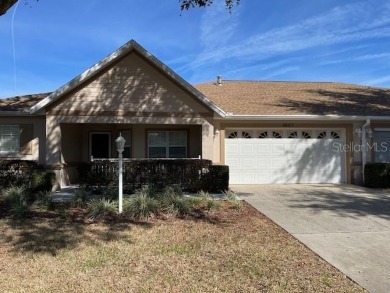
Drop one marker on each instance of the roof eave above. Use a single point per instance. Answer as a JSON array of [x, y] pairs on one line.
[[15, 113], [304, 117]]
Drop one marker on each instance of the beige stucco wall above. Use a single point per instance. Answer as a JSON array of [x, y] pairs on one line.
[[131, 85], [33, 137]]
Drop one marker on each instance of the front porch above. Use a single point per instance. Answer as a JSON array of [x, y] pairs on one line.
[[93, 141]]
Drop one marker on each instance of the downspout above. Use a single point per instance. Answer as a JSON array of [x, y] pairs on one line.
[[364, 145]]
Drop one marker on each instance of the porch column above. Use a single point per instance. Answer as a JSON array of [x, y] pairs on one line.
[[357, 155], [207, 141], [53, 148]]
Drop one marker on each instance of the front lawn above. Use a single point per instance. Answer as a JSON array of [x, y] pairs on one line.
[[222, 250]]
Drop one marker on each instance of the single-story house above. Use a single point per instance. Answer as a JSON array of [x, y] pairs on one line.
[[267, 132]]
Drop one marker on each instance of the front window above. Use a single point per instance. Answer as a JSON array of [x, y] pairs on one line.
[[382, 146], [167, 144], [100, 145], [9, 139]]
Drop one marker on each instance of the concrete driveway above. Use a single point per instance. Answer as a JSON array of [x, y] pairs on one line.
[[347, 225]]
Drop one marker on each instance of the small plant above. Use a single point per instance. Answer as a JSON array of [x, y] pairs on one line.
[[100, 208], [230, 195], [141, 206], [238, 205], [179, 205], [204, 195], [43, 198], [148, 190], [213, 204], [173, 201], [195, 201], [208, 201], [16, 196], [80, 198]]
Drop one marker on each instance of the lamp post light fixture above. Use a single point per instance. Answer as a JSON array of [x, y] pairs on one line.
[[120, 146]]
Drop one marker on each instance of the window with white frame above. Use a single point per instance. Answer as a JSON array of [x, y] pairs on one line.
[[9, 139], [167, 144]]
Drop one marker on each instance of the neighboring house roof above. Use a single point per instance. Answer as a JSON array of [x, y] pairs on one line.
[[21, 103], [297, 98], [109, 60]]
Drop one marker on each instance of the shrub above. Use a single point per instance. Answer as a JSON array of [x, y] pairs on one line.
[[100, 208], [377, 175], [42, 181], [191, 175], [111, 192], [16, 172], [218, 178], [141, 206]]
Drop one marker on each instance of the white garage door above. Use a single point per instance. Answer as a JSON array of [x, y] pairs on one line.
[[285, 156]]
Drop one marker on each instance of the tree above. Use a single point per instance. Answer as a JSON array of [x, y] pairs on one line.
[[5, 5], [184, 4], [187, 4]]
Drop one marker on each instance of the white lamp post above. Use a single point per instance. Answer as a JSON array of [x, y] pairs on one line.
[[120, 145]]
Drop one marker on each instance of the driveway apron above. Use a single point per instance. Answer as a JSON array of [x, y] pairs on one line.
[[347, 225]]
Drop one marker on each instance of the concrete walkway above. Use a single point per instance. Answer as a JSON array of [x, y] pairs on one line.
[[347, 225], [65, 194]]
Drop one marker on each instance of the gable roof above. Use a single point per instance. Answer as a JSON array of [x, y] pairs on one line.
[[21, 103], [110, 59], [297, 98]]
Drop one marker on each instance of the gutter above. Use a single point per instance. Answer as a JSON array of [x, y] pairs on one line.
[[14, 113], [230, 116]]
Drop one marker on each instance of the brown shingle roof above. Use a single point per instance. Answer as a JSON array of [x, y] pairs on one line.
[[297, 98], [273, 98], [21, 103]]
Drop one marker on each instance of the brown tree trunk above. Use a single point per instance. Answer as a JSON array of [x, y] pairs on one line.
[[5, 5]]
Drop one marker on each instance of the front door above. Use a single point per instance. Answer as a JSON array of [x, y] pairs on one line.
[[100, 145]]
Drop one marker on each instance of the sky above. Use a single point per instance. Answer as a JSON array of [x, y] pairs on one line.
[[45, 44]]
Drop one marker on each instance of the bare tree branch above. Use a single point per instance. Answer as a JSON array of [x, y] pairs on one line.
[[187, 4]]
